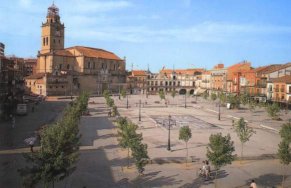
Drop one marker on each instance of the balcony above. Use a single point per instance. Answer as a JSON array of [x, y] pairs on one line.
[[261, 85], [282, 90]]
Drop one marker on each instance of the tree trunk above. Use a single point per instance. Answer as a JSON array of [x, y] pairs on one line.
[[215, 180], [283, 176], [242, 151], [186, 153], [127, 157]]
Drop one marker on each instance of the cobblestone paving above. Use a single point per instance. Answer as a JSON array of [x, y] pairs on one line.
[[178, 121]]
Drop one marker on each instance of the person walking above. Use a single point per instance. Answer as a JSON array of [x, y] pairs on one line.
[[31, 144], [12, 120], [253, 184]]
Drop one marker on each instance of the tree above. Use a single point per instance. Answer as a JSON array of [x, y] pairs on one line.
[[213, 96], [219, 151], [173, 94], [285, 132], [252, 105], [140, 154], [244, 99], [233, 100], [123, 93], [273, 111], [59, 148], [244, 132], [185, 135], [162, 94], [284, 153], [110, 102], [205, 95], [106, 94], [127, 135]]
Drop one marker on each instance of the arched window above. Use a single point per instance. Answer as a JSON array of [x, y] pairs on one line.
[[47, 41], [43, 42]]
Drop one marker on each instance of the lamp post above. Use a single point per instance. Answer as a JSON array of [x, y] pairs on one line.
[[118, 83], [219, 109], [126, 101], [185, 99], [139, 112], [170, 122]]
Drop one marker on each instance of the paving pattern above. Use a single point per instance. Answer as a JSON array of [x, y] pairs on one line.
[[178, 121]]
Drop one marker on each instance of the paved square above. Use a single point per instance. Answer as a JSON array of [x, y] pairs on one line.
[[178, 121]]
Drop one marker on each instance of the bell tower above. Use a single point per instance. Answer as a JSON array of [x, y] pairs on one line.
[[52, 31]]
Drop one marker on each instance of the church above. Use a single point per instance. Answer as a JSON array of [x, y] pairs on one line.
[[68, 71]]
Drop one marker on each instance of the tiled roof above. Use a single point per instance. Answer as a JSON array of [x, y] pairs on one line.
[[274, 68], [181, 71], [95, 52], [36, 76], [284, 79], [138, 73], [40, 81], [63, 53]]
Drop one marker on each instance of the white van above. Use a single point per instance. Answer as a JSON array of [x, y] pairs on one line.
[[21, 109]]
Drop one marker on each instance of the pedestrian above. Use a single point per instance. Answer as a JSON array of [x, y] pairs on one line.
[[253, 184], [13, 121], [31, 144]]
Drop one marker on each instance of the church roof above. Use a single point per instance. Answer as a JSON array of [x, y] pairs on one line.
[[36, 76], [95, 52]]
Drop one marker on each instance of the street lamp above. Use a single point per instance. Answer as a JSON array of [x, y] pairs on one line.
[[171, 122], [185, 99], [219, 109], [139, 112], [127, 101], [118, 83]]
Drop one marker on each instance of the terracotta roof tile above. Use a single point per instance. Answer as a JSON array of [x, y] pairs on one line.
[[36, 76], [138, 73], [95, 52], [284, 79]]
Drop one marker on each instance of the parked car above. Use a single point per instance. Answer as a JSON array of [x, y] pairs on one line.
[[21, 109]]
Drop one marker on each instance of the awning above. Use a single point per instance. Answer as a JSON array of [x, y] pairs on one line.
[[199, 91]]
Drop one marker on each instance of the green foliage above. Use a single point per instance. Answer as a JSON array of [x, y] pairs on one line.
[[219, 150], [243, 131], [233, 100], [285, 132], [106, 94], [110, 102], [284, 152], [140, 154], [123, 93], [173, 94], [222, 97], [213, 96], [252, 105], [130, 140], [185, 134], [244, 99], [115, 111], [162, 94], [273, 110], [59, 148], [205, 95]]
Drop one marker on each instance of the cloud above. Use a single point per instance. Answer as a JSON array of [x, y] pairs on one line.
[[207, 32], [89, 6], [25, 3]]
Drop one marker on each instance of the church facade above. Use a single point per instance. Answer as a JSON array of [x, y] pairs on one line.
[[69, 71]]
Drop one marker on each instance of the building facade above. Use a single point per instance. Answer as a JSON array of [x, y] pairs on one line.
[[2, 49], [68, 71]]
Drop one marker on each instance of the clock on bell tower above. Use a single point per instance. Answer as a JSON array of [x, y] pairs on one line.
[[53, 31]]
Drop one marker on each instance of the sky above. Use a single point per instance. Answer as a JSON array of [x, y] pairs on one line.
[[158, 33]]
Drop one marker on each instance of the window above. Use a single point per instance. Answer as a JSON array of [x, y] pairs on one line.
[[60, 66], [47, 41], [62, 86], [68, 66], [54, 41], [59, 41], [88, 66], [43, 42]]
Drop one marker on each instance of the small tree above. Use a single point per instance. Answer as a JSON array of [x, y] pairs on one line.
[[244, 132], [213, 96], [244, 99], [219, 151], [185, 135], [127, 135], [205, 95], [123, 93], [173, 94], [140, 154], [106, 94], [284, 153], [285, 132], [162, 94], [273, 111], [110, 102]]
